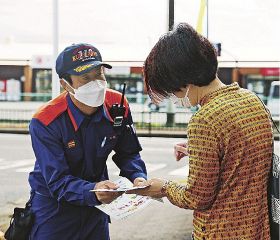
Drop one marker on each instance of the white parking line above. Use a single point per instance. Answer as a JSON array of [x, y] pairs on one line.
[[151, 167], [168, 149], [184, 171], [25, 170], [27, 165], [19, 163]]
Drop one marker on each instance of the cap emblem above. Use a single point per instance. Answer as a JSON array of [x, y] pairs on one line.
[[84, 55]]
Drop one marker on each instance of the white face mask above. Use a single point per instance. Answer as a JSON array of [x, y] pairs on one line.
[[181, 102], [91, 94]]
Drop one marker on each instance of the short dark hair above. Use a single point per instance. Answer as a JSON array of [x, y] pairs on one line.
[[67, 77], [180, 57]]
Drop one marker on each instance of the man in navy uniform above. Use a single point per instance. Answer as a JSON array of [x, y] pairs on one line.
[[72, 136]]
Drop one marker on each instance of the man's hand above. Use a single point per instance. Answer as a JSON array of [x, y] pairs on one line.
[[106, 197], [154, 190], [138, 182], [180, 150], [2, 235]]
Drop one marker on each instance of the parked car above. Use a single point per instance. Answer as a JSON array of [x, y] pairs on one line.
[[150, 106], [273, 100], [166, 106]]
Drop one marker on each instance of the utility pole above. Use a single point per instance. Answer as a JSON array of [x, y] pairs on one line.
[[207, 19], [170, 14], [170, 106], [55, 80]]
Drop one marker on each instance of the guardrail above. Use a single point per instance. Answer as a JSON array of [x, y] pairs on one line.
[[18, 120], [146, 123], [44, 97]]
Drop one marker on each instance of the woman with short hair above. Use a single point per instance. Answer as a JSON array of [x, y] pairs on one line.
[[229, 140]]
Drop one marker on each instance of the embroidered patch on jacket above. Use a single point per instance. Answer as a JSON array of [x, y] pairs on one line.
[[71, 144]]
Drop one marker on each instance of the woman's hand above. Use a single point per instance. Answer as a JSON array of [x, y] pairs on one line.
[[180, 150], [154, 189]]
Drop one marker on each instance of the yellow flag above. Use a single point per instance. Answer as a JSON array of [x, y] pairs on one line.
[[199, 26]]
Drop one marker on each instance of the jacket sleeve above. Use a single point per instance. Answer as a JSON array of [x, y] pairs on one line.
[[127, 156], [204, 168], [49, 151]]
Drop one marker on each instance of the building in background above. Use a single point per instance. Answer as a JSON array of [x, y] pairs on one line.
[[31, 80]]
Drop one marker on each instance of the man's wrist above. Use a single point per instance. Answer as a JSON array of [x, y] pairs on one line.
[[90, 197]]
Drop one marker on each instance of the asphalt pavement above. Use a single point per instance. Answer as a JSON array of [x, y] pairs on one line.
[[157, 221]]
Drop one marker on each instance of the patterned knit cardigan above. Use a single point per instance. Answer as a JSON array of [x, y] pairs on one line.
[[230, 150]]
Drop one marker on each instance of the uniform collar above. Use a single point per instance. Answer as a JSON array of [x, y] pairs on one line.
[[77, 117], [105, 111]]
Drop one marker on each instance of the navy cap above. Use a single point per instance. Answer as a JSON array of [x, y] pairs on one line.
[[78, 59]]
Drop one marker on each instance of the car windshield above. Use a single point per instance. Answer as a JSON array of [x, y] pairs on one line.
[[275, 93]]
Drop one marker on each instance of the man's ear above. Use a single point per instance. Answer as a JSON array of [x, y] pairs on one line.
[[63, 84]]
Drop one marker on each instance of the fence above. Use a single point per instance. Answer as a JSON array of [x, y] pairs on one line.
[[12, 120], [147, 123], [161, 123]]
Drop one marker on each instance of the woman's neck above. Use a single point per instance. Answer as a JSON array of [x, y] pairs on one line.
[[206, 90]]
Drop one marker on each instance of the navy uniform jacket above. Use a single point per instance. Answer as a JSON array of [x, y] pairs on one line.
[[71, 150]]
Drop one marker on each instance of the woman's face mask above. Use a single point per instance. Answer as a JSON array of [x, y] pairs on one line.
[[91, 94], [181, 102]]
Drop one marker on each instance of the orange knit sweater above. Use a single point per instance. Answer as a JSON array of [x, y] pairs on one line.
[[230, 150]]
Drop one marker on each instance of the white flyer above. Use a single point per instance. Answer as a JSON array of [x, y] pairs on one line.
[[119, 189], [126, 204]]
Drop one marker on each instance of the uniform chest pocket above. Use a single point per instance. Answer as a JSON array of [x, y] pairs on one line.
[[105, 145], [73, 154]]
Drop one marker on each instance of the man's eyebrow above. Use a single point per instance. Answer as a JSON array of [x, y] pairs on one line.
[[98, 71]]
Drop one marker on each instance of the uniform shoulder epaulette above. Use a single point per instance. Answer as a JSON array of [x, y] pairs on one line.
[[113, 97], [52, 109]]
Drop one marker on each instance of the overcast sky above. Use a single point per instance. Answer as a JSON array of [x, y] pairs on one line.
[[127, 29]]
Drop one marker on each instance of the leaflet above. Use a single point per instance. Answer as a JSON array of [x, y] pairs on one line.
[[126, 204], [120, 189]]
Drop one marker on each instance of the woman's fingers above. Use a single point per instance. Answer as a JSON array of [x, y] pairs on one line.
[[180, 150], [183, 144]]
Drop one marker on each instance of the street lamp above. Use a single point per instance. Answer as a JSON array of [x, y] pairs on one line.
[[55, 80], [170, 107], [170, 15], [207, 19]]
